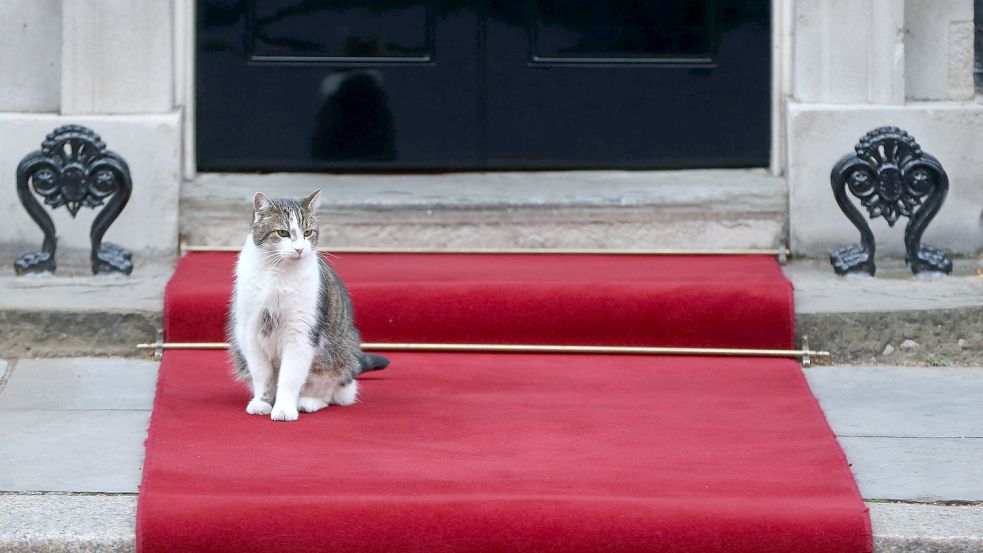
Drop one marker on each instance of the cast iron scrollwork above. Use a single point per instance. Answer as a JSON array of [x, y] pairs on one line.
[[74, 169], [892, 178]]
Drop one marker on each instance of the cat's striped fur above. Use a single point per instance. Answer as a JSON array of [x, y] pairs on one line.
[[291, 327]]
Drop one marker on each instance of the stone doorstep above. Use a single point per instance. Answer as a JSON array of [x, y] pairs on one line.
[[583, 209], [98, 523]]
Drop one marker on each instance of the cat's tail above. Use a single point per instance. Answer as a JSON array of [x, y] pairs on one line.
[[372, 362]]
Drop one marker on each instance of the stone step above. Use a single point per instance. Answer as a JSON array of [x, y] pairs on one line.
[[75, 313], [893, 318], [573, 209]]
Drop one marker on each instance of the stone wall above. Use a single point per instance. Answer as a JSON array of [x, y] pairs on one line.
[[107, 65], [861, 64], [842, 67]]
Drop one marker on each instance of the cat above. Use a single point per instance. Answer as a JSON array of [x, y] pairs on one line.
[[291, 330]]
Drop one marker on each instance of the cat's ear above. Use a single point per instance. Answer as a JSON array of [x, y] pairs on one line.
[[261, 201], [312, 202]]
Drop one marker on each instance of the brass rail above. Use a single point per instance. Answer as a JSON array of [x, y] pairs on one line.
[[780, 252], [805, 354]]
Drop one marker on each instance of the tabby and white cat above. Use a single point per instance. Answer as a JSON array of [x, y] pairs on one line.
[[290, 328]]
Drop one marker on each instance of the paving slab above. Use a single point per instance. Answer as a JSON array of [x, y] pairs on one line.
[[75, 425], [72, 451], [917, 469], [901, 401], [67, 523], [910, 433], [81, 383]]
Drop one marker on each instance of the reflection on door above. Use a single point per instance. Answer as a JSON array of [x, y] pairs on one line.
[[355, 121]]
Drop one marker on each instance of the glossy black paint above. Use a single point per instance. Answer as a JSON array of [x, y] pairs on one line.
[[74, 169], [893, 178], [500, 84]]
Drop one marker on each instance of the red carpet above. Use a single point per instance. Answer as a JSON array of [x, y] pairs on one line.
[[529, 299], [510, 452]]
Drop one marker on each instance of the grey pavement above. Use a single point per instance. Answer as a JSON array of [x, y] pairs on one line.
[[72, 433], [75, 425], [81, 384], [913, 437], [904, 402], [910, 433]]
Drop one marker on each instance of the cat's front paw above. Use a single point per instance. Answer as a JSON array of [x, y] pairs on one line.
[[259, 407], [282, 412]]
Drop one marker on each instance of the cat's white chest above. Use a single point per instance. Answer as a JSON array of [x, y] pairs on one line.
[[274, 308]]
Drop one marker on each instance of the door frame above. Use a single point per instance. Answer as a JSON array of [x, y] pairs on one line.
[[781, 79]]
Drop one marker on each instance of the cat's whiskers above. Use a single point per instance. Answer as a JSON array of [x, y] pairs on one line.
[[273, 258]]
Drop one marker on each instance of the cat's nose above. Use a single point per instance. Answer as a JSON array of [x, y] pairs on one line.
[[299, 250]]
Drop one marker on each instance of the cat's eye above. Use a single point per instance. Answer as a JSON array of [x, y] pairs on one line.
[[283, 233], [308, 233]]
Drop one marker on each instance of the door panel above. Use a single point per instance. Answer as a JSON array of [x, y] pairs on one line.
[[658, 84], [339, 31], [621, 31], [503, 84], [311, 85]]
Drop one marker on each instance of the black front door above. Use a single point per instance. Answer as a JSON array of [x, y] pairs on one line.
[[517, 84]]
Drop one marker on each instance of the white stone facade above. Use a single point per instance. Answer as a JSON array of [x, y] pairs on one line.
[[862, 64], [841, 68], [108, 65]]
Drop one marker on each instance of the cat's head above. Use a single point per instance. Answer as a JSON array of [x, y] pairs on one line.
[[285, 228]]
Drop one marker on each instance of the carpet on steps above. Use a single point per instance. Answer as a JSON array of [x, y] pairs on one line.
[[510, 452]]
